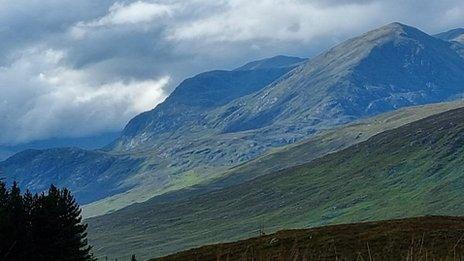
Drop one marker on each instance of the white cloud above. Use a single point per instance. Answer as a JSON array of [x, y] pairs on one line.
[[50, 99], [276, 20], [134, 13]]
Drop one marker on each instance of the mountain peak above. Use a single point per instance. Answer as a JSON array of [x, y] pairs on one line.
[[393, 66], [395, 30], [396, 26]]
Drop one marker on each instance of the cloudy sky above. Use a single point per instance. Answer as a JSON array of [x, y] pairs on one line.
[[72, 68]]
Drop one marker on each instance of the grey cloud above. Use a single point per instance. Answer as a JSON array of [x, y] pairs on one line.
[[99, 48], [26, 22]]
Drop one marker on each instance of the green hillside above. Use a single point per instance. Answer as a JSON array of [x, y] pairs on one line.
[[331, 140], [413, 170], [322, 143]]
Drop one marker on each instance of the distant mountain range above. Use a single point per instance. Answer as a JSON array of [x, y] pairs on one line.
[[219, 119], [92, 142]]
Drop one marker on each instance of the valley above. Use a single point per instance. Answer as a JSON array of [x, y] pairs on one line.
[[409, 171], [370, 129]]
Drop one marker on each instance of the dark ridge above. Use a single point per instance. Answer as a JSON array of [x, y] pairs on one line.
[[420, 238]]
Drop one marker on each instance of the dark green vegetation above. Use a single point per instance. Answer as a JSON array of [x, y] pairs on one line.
[[424, 238], [413, 170], [41, 227]]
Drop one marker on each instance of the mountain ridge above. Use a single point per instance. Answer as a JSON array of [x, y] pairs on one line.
[[188, 141], [46, 166], [452, 35], [338, 70]]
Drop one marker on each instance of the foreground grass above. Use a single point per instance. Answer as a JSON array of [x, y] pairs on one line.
[[424, 238]]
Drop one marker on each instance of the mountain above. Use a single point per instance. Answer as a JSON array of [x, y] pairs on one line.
[[418, 238], [92, 142], [96, 174], [326, 142], [412, 170], [385, 69], [320, 144], [191, 101], [89, 174], [6, 152], [382, 70], [456, 37], [452, 35], [217, 120]]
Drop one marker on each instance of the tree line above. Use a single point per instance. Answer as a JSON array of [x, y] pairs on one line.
[[46, 226]]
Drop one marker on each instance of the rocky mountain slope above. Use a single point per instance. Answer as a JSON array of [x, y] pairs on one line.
[[385, 69], [194, 98], [217, 120], [456, 35], [93, 175], [320, 144], [409, 171], [89, 174], [382, 70]]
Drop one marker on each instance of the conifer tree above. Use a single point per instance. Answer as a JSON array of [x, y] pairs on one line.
[[57, 221], [17, 220], [5, 239], [41, 227]]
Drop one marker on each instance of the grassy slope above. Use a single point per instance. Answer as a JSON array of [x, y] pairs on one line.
[[320, 144], [424, 238], [335, 139], [413, 170]]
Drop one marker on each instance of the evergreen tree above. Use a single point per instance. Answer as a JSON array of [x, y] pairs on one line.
[[41, 227], [28, 247], [59, 233], [5, 239], [17, 220]]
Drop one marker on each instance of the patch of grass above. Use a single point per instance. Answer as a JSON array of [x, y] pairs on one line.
[[424, 238]]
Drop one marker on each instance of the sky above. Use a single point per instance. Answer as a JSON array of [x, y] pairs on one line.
[[73, 68]]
